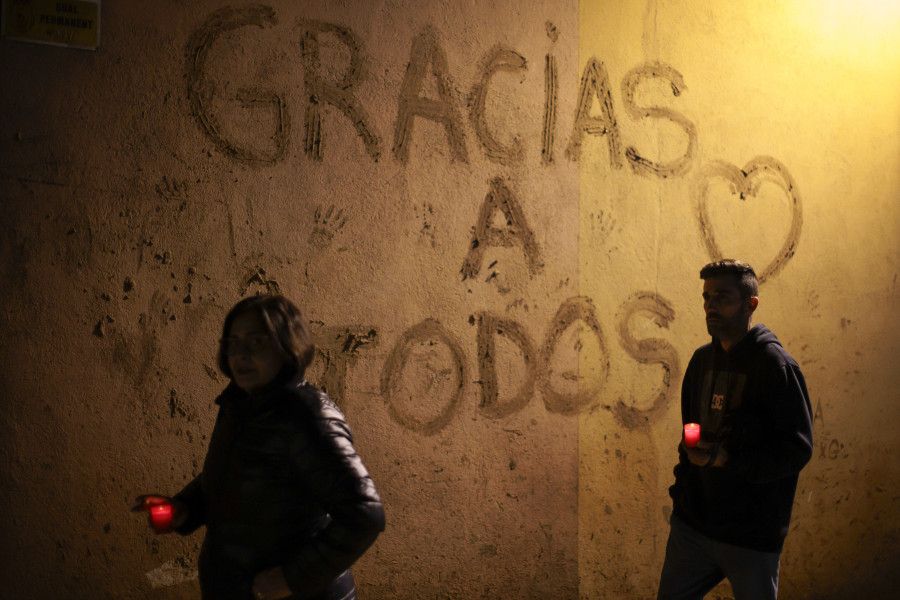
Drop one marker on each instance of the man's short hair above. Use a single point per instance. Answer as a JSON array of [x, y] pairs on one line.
[[286, 325], [743, 273]]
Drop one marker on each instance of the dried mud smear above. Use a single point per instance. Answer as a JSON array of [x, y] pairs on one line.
[[425, 52], [490, 326], [745, 183], [595, 83], [428, 331], [196, 51], [630, 82], [500, 58], [517, 231], [648, 351], [339, 94]]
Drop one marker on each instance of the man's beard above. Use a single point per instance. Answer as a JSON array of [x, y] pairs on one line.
[[722, 328]]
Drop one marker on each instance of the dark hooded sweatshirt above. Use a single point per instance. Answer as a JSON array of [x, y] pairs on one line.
[[752, 400]]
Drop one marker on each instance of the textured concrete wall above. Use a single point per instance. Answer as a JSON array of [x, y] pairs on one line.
[[494, 215]]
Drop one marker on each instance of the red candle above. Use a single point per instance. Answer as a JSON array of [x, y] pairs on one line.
[[161, 515], [691, 434]]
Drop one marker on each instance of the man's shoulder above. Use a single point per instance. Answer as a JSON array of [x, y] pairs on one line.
[[775, 355], [704, 351], [766, 345], [702, 358]]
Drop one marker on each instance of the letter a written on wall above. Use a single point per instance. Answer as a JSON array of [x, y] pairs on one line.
[[427, 55], [499, 199], [71, 23]]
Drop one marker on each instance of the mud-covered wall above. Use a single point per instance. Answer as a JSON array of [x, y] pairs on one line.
[[494, 215]]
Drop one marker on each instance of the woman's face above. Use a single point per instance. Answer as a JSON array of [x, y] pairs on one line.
[[253, 357]]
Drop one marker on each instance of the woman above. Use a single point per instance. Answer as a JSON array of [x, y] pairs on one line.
[[287, 503]]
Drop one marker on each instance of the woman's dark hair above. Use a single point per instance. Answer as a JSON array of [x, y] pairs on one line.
[[284, 322]]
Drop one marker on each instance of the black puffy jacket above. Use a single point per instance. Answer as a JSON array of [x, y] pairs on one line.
[[281, 486]]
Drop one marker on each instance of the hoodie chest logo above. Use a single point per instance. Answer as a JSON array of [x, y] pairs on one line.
[[718, 402]]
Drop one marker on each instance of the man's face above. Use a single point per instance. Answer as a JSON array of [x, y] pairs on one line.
[[727, 314]]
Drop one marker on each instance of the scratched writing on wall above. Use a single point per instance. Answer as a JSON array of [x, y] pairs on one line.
[[423, 347]]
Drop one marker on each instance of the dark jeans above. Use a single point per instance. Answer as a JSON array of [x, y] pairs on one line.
[[695, 564]]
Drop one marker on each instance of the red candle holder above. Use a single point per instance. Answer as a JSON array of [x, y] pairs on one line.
[[161, 516], [691, 434]]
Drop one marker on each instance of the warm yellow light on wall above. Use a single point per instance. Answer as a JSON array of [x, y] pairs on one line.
[[860, 30]]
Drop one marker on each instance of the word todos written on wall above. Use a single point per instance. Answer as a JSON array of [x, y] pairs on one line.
[[427, 57]]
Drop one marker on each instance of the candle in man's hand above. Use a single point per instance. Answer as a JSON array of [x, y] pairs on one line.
[[691, 434], [161, 515]]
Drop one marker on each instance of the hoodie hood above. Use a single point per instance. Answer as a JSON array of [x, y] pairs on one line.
[[759, 335]]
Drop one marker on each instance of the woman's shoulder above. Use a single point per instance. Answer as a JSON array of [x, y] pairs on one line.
[[309, 418], [311, 405]]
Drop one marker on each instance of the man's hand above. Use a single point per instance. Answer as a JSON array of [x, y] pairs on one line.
[[143, 504], [702, 452], [270, 585]]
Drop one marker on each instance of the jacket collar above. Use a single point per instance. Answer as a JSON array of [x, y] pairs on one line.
[[234, 397]]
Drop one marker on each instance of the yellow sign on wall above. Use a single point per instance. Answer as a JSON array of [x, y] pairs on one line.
[[73, 23]]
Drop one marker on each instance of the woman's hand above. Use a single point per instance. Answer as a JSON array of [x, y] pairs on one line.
[[145, 502], [270, 585]]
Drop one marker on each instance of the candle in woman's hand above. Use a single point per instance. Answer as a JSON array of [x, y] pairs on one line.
[[161, 515], [691, 434]]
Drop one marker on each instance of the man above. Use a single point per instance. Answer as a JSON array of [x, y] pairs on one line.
[[734, 490]]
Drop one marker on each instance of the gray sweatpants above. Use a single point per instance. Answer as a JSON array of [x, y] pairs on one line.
[[695, 564]]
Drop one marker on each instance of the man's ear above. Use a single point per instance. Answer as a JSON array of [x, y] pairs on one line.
[[752, 303]]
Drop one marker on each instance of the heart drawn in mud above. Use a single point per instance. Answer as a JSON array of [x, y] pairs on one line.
[[745, 184]]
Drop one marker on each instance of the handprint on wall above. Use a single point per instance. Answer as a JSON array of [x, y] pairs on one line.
[[602, 226], [328, 223]]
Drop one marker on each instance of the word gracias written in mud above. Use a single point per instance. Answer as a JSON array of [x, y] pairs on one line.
[[427, 59]]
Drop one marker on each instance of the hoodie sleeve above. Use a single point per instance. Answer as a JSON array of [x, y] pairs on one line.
[[775, 442], [333, 473], [192, 497], [687, 385]]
